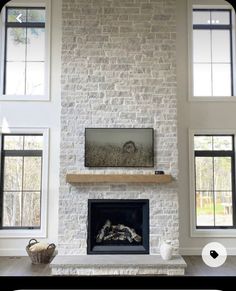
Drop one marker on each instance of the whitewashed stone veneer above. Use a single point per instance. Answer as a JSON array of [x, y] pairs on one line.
[[118, 70]]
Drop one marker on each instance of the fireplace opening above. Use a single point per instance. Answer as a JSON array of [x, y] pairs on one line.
[[118, 226]]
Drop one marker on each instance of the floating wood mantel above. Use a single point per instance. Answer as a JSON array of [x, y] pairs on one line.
[[118, 178]]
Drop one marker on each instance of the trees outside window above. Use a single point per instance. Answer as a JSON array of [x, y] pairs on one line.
[[21, 181]]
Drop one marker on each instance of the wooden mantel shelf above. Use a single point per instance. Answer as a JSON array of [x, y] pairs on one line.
[[118, 178]]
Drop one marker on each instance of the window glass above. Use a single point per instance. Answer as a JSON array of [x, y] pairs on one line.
[[222, 174], [36, 15], [13, 142], [15, 78], [35, 80], [32, 174], [221, 79], [31, 213], [13, 169], [12, 209], [16, 40], [201, 17], [203, 143], [220, 17], [202, 46], [35, 44], [223, 209], [205, 208], [220, 46], [13, 13], [33, 142], [204, 173], [223, 143], [202, 80]]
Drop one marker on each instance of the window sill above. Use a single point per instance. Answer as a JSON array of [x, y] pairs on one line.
[[24, 98], [213, 233], [22, 233], [212, 99]]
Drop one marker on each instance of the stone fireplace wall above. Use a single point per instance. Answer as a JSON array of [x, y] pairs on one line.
[[118, 70]]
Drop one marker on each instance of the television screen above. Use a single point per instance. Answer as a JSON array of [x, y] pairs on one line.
[[119, 147]]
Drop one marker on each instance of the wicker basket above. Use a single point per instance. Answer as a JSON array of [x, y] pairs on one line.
[[40, 257]]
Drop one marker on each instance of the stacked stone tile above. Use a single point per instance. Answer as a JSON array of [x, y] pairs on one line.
[[118, 70]]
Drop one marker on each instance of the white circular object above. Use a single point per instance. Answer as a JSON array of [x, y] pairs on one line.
[[214, 254]]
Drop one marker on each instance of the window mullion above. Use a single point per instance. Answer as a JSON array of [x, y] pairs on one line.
[[26, 40], [211, 61], [213, 184], [233, 186], [2, 185], [5, 58], [22, 185], [25, 25], [231, 55], [25, 153]]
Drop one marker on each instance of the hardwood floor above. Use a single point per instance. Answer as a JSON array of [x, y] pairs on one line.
[[21, 266], [196, 267]]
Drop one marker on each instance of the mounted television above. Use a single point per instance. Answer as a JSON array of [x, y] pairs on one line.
[[119, 147]]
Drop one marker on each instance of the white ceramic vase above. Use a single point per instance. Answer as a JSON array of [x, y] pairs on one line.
[[166, 250]]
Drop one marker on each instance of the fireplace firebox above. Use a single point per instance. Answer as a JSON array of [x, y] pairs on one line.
[[118, 226]]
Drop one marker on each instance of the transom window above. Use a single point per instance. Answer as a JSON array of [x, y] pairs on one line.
[[212, 52], [24, 66], [214, 181], [21, 181]]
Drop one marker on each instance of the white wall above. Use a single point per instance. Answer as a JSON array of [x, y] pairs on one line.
[[195, 115], [41, 114]]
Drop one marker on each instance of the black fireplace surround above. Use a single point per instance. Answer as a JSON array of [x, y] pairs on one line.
[[118, 226]]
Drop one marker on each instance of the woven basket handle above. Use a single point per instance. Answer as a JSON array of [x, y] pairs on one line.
[[32, 242], [51, 246]]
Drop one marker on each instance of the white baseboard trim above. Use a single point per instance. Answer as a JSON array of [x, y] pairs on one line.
[[13, 253], [198, 251]]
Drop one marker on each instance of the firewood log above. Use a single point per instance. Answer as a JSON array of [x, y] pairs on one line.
[[103, 231], [117, 232], [128, 230]]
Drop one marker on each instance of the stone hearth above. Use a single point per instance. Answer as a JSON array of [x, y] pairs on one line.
[[120, 265]]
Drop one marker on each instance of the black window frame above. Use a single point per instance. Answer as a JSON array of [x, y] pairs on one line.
[[18, 25], [219, 27], [218, 153], [18, 153]]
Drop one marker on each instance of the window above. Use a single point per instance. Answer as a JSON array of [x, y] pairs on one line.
[[212, 52], [214, 167], [25, 52], [21, 181]]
